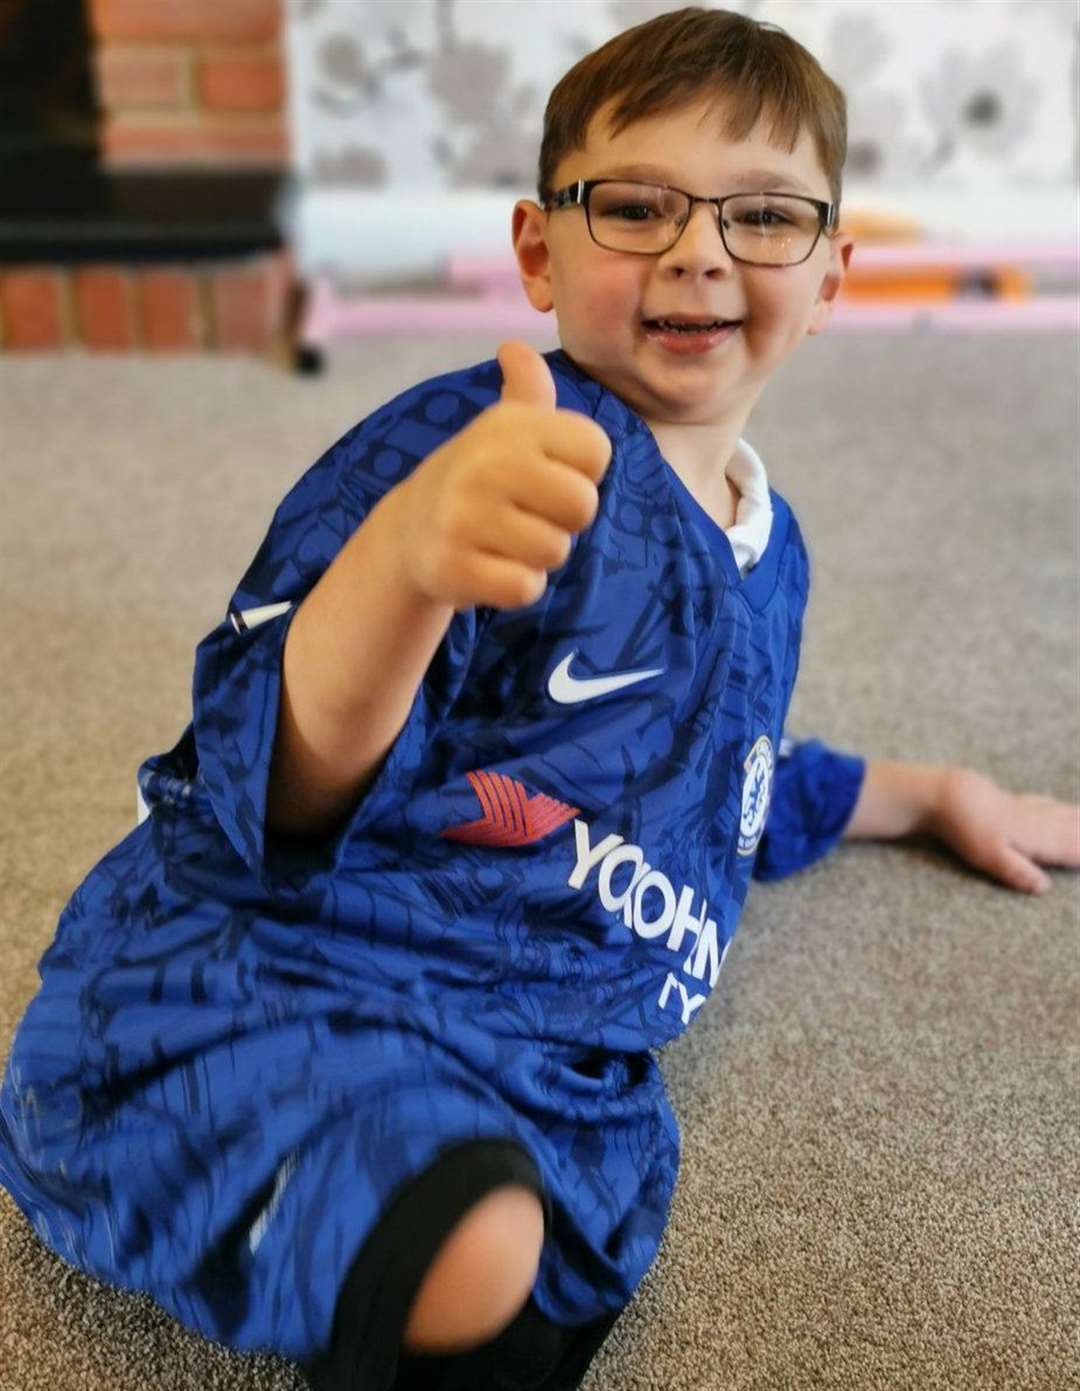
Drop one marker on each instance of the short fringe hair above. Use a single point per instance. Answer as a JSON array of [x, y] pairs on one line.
[[680, 57]]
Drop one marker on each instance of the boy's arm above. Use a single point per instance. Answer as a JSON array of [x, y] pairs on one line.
[[354, 658], [463, 530], [1006, 835]]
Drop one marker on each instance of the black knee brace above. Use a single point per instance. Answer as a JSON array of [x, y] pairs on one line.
[[523, 1357], [379, 1289], [530, 1354]]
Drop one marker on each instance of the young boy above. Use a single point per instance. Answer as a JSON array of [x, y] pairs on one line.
[[347, 1050]]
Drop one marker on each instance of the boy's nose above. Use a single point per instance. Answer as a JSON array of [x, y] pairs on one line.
[[700, 243]]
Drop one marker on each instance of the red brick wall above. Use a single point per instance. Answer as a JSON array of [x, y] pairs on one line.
[[225, 307], [180, 83], [191, 81]]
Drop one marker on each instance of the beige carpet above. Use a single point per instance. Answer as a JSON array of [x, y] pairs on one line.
[[881, 1102]]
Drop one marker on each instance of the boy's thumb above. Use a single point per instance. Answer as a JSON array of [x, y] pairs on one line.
[[527, 378]]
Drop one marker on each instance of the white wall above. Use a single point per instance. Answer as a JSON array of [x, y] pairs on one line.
[[962, 114]]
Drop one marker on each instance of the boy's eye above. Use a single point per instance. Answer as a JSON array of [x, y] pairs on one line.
[[630, 212], [630, 203], [761, 217]]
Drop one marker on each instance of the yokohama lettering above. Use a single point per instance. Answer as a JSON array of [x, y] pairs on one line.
[[651, 908]]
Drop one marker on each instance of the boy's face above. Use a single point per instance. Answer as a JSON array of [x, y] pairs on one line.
[[601, 297]]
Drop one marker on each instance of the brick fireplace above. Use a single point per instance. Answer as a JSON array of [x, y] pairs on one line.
[[143, 164]]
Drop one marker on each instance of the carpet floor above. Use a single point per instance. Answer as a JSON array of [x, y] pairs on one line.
[[880, 1104]]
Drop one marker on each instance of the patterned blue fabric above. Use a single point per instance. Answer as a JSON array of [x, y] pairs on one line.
[[243, 1045]]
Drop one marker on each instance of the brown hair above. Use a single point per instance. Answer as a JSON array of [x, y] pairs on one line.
[[678, 57]]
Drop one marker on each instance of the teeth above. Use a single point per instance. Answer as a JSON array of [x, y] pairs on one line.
[[688, 328]]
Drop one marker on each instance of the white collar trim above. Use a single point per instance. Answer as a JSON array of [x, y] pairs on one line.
[[749, 535]]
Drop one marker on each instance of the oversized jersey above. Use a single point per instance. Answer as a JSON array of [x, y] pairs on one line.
[[243, 1045]]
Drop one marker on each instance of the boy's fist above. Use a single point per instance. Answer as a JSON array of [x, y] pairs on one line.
[[488, 514]]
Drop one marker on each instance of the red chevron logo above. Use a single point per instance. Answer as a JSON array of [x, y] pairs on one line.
[[511, 816]]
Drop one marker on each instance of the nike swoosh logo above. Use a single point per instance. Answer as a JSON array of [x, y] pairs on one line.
[[568, 690]]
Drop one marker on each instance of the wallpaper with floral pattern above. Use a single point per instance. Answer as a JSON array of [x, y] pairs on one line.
[[952, 94]]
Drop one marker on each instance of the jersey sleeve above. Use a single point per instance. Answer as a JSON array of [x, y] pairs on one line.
[[814, 792], [237, 677]]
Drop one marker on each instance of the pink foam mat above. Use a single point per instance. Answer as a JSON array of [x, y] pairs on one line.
[[482, 294]]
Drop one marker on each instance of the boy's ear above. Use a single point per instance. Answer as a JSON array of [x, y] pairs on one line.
[[529, 233], [840, 249]]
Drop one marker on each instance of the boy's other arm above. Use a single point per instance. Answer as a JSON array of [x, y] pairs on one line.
[[896, 800], [1005, 835]]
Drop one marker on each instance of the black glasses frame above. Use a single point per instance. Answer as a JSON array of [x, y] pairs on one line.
[[580, 192]]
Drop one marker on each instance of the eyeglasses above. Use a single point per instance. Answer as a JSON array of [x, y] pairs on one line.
[[759, 229]]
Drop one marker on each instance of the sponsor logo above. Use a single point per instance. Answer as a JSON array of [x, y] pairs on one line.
[[651, 909], [650, 905]]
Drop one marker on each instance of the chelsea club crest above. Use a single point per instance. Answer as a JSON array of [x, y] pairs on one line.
[[757, 788]]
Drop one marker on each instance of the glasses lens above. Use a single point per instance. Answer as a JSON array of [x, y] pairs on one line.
[[636, 217], [768, 229], [764, 229]]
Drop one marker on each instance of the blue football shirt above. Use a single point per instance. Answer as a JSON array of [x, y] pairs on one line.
[[244, 1044]]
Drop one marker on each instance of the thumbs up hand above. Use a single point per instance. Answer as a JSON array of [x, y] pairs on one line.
[[486, 516]]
